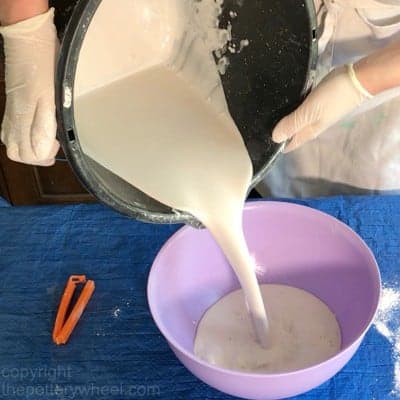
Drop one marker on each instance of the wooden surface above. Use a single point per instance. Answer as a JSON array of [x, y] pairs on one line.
[[27, 185]]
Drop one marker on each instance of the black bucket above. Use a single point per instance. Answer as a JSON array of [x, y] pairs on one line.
[[263, 83]]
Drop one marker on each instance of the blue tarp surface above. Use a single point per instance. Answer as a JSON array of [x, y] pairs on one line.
[[116, 351]]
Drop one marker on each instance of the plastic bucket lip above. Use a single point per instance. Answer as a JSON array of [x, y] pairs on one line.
[[343, 351], [66, 69]]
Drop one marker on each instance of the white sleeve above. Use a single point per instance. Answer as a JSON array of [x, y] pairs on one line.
[[384, 20], [389, 2], [370, 4]]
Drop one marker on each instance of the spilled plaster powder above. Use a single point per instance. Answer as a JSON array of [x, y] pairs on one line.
[[387, 323], [116, 312], [218, 40]]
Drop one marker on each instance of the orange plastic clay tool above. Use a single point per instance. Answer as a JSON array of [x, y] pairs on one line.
[[63, 329]]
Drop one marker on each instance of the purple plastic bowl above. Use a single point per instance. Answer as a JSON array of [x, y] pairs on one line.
[[297, 246]]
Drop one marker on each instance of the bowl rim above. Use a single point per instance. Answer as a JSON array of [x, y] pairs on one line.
[[256, 205]]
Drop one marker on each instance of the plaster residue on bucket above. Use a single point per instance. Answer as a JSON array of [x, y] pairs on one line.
[[169, 32], [387, 323], [217, 39]]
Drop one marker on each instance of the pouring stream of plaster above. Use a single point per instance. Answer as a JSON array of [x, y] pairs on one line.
[[195, 160]]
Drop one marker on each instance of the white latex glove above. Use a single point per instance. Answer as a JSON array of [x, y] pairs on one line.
[[29, 124], [335, 97]]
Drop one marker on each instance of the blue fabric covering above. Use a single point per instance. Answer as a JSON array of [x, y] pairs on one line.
[[116, 352], [4, 203]]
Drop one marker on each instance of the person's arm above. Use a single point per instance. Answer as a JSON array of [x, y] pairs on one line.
[[381, 70], [342, 91], [13, 11], [30, 46]]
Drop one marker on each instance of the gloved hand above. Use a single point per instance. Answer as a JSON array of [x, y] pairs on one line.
[[29, 124], [338, 94]]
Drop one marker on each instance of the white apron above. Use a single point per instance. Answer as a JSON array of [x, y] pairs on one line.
[[360, 154]]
